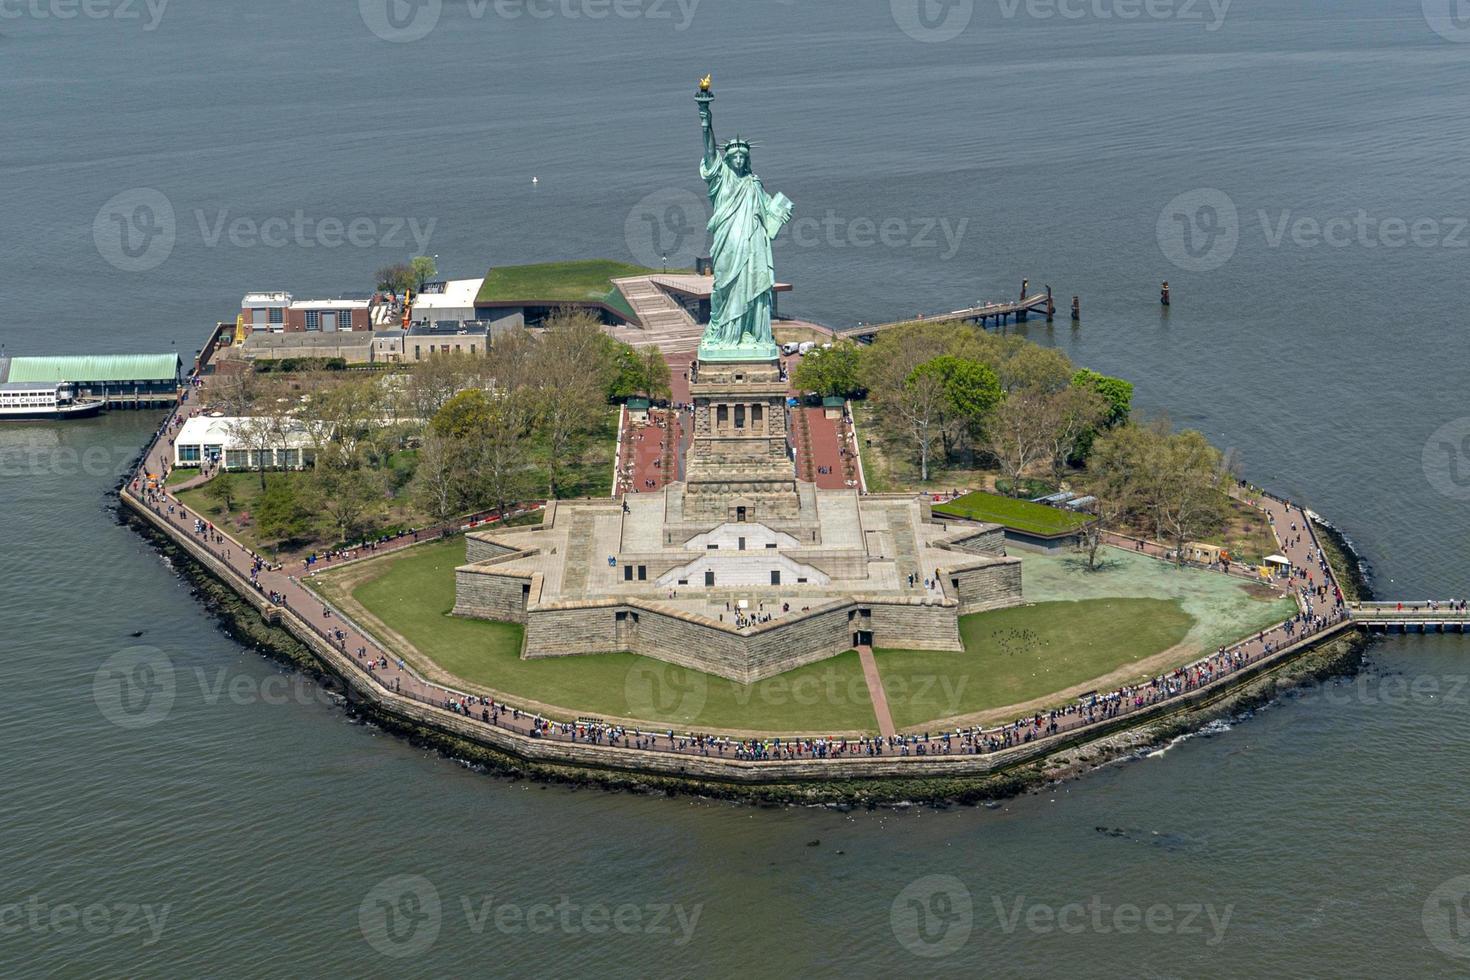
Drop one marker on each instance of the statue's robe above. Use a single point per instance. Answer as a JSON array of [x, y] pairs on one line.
[[744, 223]]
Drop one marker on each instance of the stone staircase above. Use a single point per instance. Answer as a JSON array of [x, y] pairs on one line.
[[666, 324]]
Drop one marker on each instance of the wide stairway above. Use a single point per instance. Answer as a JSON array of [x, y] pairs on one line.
[[666, 324]]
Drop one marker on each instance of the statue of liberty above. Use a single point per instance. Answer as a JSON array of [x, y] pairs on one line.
[[745, 222]]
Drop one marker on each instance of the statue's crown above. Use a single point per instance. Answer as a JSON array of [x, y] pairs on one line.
[[737, 144]]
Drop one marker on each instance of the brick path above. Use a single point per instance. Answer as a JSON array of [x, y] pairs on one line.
[[876, 692]]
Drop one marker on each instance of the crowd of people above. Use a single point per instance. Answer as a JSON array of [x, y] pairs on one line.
[[1320, 603]]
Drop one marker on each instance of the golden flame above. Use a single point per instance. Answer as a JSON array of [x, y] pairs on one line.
[[704, 83]]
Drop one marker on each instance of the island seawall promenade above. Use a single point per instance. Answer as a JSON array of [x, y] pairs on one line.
[[381, 687]]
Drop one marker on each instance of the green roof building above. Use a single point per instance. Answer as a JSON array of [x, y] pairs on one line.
[[130, 378]]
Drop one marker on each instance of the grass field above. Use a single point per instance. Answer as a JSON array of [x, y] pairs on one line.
[[1022, 515], [584, 281], [181, 474], [1017, 655], [413, 593], [1132, 619]]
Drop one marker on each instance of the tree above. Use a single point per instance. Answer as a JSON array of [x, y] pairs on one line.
[[921, 403], [1074, 413], [1019, 431], [1117, 392], [221, 489], [258, 435], [832, 371], [568, 380], [655, 380], [423, 269], [346, 496], [1115, 477], [432, 382], [972, 392], [491, 432], [397, 278], [439, 480], [280, 514], [1024, 365], [1189, 477]]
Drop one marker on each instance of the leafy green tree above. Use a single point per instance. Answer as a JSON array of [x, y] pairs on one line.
[[921, 403], [396, 278], [655, 379], [834, 371], [280, 514], [347, 496], [423, 268], [1119, 394], [464, 416], [221, 489]]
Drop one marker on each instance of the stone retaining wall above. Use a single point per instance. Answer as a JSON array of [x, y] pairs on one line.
[[362, 688]]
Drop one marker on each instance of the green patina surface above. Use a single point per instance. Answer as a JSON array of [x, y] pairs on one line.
[[95, 367], [1021, 515]]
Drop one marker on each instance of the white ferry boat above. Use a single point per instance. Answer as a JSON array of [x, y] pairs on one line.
[[32, 400]]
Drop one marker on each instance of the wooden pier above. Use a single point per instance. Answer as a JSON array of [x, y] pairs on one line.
[[1410, 617], [1018, 310]]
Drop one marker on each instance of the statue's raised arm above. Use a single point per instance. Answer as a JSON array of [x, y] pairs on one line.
[[706, 122]]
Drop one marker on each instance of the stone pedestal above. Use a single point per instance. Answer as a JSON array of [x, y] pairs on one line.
[[738, 468]]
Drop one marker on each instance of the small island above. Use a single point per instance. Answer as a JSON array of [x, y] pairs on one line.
[[591, 520]]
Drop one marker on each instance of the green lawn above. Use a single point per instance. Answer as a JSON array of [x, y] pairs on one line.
[[1028, 652], [582, 281], [1020, 515], [181, 474], [414, 592]]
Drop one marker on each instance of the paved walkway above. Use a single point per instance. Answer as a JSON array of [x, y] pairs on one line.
[[286, 591], [876, 692]]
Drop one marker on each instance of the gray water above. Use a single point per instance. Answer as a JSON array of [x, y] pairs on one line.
[[251, 829]]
